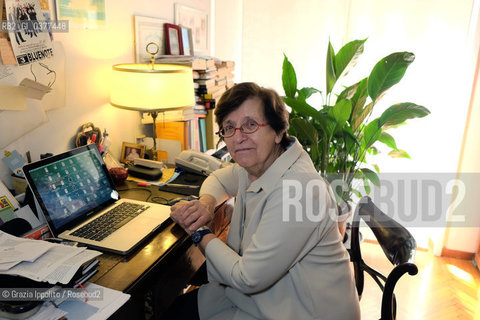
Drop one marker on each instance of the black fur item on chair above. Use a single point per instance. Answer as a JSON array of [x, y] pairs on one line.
[[397, 244]]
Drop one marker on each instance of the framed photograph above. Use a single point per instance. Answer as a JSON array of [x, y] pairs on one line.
[[196, 20], [131, 151], [148, 30], [174, 39], [187, 41]]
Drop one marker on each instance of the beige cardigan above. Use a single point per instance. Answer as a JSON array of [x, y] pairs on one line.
[[274, 266]]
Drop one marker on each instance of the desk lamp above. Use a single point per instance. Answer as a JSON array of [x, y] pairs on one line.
[[152, 88]]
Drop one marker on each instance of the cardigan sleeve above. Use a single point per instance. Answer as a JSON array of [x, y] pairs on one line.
[[275, 247], [222, 183]]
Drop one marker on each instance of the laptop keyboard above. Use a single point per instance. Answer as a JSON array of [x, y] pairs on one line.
[[110, 221]]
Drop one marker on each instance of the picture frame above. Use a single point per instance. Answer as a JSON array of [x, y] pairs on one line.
[[187, 41], [198, 21], [148, 29], [131, 151], [173, 39]]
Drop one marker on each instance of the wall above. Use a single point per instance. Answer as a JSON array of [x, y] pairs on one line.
[[90, 55], [467, 239], [439, 79]]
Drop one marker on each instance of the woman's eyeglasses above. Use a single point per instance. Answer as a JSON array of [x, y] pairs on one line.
[[248, 127]]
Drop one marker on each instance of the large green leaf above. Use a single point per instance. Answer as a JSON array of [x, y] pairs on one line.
[[347, 57], [399, 154], [307, 92], [359, 98], [301, 107], [330, 68], [388, 72], [328, 124], [289, 78], [305, 130], [357, 119], [400, 112], [388, 140], [341, 111], [371, 175], [371, 133]]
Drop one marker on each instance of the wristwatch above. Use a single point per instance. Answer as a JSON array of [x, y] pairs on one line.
[[197, 236]]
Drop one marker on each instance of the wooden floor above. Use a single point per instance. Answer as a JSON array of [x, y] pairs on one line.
[[444, 288]]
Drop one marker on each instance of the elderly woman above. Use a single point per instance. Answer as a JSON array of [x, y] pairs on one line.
[[284, 257]]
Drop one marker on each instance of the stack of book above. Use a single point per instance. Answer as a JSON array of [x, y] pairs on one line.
[[225, 73], [213, 82]]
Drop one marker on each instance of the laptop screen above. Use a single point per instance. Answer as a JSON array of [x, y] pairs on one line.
[[70, 185]]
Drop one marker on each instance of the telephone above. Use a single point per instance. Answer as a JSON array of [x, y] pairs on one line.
[[198, 162]]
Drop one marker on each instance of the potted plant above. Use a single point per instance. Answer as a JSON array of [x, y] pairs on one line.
[[339, 134]]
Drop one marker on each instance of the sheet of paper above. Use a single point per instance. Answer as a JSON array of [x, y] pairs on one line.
[[8, 265], [111, 302], [13, 98], [43, 266], [65, 272], [34, 90], [48, 312], [25, 251], [15, 124]]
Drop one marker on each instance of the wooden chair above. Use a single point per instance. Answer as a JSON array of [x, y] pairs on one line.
[[397, 244]]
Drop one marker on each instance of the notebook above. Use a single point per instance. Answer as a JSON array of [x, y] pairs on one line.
[[80, 203]]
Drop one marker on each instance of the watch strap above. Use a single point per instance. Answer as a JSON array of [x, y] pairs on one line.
[[198, 235]]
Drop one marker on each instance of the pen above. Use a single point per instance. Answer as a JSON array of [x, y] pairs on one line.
[[182, 186]]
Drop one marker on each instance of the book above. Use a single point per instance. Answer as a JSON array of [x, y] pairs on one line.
[[172, 115], [202, 134], [205, 74], [211, 128], [195, 62], [206, 82], [174, 130]]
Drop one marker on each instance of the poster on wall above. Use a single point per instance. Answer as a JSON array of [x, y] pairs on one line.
[[81, 13], [196, 20], [29, 42]]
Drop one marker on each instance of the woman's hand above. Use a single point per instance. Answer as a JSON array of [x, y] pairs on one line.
[[191, 215]]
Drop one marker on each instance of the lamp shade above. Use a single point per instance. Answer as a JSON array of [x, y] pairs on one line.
[[145, 87]]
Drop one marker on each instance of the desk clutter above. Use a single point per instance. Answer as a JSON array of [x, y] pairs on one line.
[[37, 275], [44, 261]]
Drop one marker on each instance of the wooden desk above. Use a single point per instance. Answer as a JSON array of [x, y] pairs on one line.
[[160, 268]]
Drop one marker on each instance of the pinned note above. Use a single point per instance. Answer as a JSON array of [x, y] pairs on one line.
[[13, 98], [34, 90]]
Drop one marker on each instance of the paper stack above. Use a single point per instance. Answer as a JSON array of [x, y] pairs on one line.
[[46, 262]]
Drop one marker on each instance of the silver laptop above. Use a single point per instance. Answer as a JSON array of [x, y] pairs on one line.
[[80, 202]]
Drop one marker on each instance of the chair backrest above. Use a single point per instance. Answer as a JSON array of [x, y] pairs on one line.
[[398, 245]]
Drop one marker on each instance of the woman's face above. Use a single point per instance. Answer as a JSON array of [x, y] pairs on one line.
[[255, 151]]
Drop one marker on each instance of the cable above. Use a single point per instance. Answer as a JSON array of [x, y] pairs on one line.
[[160, 200]]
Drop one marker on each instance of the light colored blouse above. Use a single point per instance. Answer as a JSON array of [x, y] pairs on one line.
[[284, 257]]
